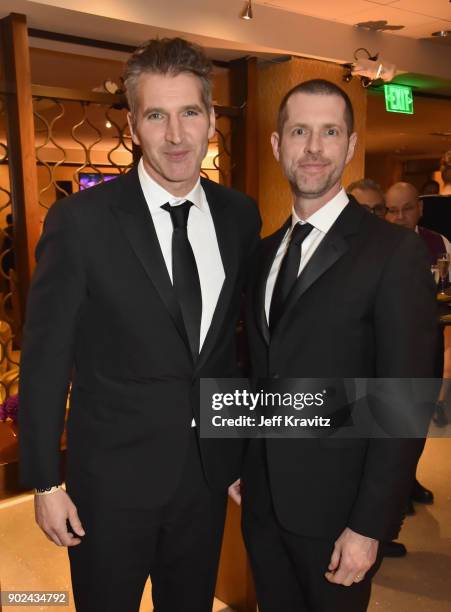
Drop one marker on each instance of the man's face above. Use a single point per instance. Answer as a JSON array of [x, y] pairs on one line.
[[403, 208], [173, 127], [314, 146], [371, 199]]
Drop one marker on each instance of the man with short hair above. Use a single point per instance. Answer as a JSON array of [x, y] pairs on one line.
[[135, 298], [369, 195], [335, 293]]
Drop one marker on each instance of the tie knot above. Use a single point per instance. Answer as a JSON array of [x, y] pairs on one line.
[[300, 232], [179, 214]]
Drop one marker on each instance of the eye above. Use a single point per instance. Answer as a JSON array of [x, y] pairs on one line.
[[191, 113], [332, 132], [299, 131], [154, 116]]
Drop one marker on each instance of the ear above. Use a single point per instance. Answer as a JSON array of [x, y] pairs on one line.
[[131, 126], [212, 126], [275, 143], [351, 146]]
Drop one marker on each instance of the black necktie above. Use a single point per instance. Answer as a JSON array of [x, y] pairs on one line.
[[288, 272], [185, 276]]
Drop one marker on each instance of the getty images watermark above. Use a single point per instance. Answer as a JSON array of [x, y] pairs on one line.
[[319, 408], [255, 402]]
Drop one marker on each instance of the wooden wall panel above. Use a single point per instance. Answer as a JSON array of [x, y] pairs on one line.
[[274, 80]]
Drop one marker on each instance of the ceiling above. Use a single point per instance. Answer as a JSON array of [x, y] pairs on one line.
[[419, 18], [77, 66], [321, 29]]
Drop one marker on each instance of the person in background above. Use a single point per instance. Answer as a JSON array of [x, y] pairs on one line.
[[408, 208], [437, 208], [369, 195], [405, 207], [430, 187]]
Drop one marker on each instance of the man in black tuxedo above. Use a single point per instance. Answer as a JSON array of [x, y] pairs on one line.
[[336, 293], [134, 299]]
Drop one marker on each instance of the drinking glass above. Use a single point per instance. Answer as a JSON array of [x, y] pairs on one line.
[[443, 270]]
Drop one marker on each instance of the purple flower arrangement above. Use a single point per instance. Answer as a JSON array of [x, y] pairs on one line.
[[9, 408]]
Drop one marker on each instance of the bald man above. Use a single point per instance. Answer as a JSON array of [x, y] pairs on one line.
[[405, 208]]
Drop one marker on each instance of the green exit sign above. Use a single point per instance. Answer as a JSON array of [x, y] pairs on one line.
[[398, 99]]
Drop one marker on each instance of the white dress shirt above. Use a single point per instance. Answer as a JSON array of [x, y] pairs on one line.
[[322, 220], [201, 234]]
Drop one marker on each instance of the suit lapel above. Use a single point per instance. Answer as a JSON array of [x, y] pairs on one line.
[[226, 234], [331, 249], [268, 252], [134, 217]]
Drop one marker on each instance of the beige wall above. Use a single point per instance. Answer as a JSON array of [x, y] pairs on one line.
[[384, 169], [274, 81]]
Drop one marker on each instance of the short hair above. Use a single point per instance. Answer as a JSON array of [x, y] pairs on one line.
[[317, 87], [365, 184], [171, 56]]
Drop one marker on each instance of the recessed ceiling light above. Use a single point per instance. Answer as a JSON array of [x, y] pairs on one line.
[[247, 12], [442, 33]]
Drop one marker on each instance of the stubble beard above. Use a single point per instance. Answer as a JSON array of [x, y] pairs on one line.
[[312, 189]]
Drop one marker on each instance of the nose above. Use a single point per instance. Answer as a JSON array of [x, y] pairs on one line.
[[174, 130], [314, 143]]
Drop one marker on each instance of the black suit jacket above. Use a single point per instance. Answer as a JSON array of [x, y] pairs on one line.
[[364, 306], [437, 214], [102, 313]]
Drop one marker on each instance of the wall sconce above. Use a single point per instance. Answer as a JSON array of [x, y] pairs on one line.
[[247, 11]]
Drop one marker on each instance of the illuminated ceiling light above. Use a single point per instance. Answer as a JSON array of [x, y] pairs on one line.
[[247, 11], [442, 33], [108, 124]]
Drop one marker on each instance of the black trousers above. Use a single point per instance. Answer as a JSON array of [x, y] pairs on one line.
[[177, 544], [288, 568]]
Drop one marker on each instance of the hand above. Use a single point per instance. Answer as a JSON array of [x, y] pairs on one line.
[[352, 557], [51, 513], [235, 491]]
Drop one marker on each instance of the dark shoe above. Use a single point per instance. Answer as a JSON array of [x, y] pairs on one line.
[[410, 510], [421, 495], [439, 417], [393, 549]]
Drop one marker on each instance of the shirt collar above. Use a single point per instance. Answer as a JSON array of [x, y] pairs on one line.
[[156, 195], [325, 217]]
